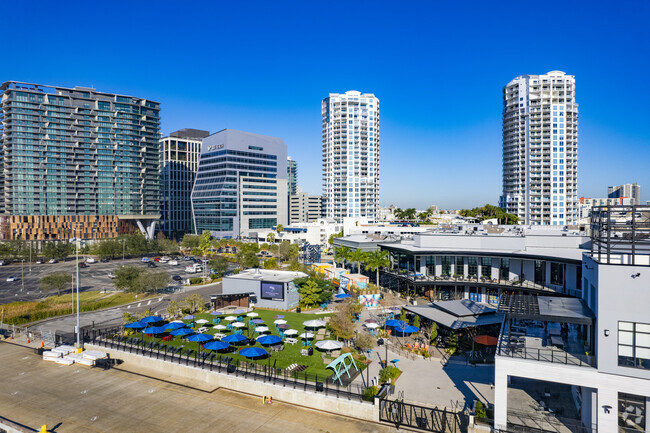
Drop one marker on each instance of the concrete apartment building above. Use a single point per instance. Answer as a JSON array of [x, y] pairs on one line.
[[540, 149], [179, 159], [240, 185], [77, 163], [628, 190], [351, 155], [304, 207]]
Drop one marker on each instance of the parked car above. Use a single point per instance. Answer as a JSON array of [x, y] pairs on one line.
[[53, 261], [156, 259], [187, 258], [190, 270], [90, 260], [111, 275], [12, 278], [152, 265], [145, 259], [164, 259], [40, 261], [83, 265], [2, 263], [104, 260], [173, 263], [176, 277]]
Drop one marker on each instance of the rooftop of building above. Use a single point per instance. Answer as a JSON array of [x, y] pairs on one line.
[[458, 314], [268, 275], [52, 90], [190, 133]]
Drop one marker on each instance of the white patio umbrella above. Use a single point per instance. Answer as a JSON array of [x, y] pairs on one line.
[[371, 325], [306, 335], [280, 322], [177, 321], [201, 321], [329, 345], [314, 323], [253, 314], [219, 327], [230, 318], [290, 332], [261, 329], [239, 324]]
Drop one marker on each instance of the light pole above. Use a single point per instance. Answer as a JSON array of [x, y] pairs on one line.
[[76, 243], [123, 249], [22, 276]]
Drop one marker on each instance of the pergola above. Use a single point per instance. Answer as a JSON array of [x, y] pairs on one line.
[[340, 366]]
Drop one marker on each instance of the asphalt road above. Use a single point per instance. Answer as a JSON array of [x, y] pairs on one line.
[[94, 277]]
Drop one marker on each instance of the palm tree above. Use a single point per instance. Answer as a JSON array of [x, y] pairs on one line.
[[357, 256], [375, 260], [342, 254], [270, 238]]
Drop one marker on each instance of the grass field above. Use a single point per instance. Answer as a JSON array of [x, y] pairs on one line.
[[17, 313], [282, 359]]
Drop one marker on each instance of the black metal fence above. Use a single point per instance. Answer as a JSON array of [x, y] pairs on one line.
[[421, 417], [224, 364]]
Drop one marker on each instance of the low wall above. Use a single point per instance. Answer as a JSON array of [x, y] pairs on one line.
[[341, 406]]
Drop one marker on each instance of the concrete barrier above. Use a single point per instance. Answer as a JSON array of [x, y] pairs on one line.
[[313, 400]]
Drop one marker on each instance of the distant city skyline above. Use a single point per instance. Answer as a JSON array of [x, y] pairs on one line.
[[438, 69]]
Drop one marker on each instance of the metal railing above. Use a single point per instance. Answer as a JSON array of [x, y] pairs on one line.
[[422, 417], [225, 364]]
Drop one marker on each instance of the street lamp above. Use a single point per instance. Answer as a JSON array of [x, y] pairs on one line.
[[78, 330]]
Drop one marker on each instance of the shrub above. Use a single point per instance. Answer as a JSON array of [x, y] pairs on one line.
[[370, 393], [389, 372], [480, 411], [196, 280]]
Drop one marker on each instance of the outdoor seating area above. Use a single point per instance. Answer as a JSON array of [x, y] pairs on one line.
[[251, 336]]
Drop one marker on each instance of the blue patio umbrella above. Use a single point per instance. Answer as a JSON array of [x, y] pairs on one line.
[[253, 352], [154, 330], [257, 321], [407, 329], [216, 345], [216, 313], [342, 296], [174, 325], [188, 317], [151, 319], [201, 338], [182, 331], [269, 340], [135, 325], [394, 323], [238, 312], [234, 338]]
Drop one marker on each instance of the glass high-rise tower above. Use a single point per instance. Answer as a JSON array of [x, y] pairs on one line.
[[540, 149], [351, 155], [77, 163]]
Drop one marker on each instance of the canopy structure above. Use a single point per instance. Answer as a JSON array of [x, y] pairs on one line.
[[291, 332], [329, 345], [238, 312], [154, 330], [135, 325], [234, 338], [239, 325], [252, 314], [342, 296], [220, 327], [306, 335], [269, 340], [230, 318], [201, 321], [216, 345], [406, 329], [261, 329], [216, 313], [181, 332], [280, 322], [486, 340], [546, 308], [253, 352], [257, 321], [340, 366], [151, 319], [458, 314], [201, 338], [314, 323], [283, 326], [371, 325], [188, 317], [394, 323], [278, 316]]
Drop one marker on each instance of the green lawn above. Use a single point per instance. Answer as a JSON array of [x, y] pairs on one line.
[[289, 355]]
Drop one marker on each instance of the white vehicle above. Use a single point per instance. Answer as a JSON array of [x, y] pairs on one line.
[[12, 278], [90, 260], [111, 275], [173, 263], [2, 263], [190, 270], [164, 259]]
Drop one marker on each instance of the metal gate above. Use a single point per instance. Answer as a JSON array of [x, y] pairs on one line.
[[420, 417]]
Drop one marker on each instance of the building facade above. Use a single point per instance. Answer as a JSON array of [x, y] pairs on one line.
[[292, 175], [540, 149], [304, 207], [91, 159], [240, 185], [179, 158], [629, 190], [351, 155]]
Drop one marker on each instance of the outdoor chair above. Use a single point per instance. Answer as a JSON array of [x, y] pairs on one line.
[[229, 327], [216, 321]]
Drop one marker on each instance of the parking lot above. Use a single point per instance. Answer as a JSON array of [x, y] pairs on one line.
[[93, 277]]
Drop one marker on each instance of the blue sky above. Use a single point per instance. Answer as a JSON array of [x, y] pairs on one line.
[[437, 67]]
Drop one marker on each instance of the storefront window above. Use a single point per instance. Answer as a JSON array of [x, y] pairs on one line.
[[446, 266], [504, 269], [557, 274], [472, 268], [459, 270], [631, 413], [486, 267]]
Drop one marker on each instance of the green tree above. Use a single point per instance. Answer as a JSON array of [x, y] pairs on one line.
[[342, 254], [56, 281], [376, 260], [357, 256], [309, 294], [334, 236], [489, 212], [434, 332], [416, 321], [148, 282], [194, 303], [279, 228], [295, 265], [5, 251], [219, 265], [274, 249], [264, 247], [364, 341], [270, 238], [341, 323], [271, 264], [126, 277], [168, 246], [250, 260], [288, 251], [173, 309], [190, 241]]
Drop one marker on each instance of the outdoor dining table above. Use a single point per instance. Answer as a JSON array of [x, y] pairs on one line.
[[219, 336], [291, 340]]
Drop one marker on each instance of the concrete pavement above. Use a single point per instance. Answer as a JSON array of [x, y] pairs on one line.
[[74, 398]]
